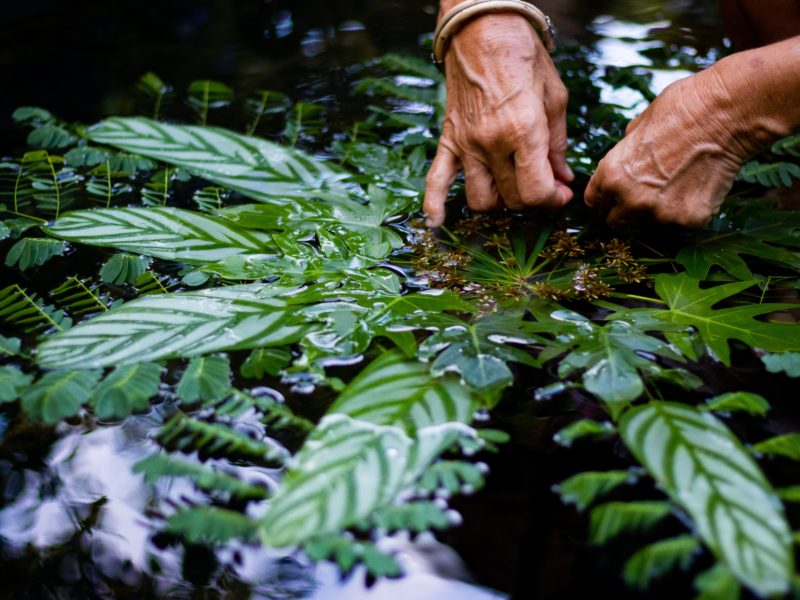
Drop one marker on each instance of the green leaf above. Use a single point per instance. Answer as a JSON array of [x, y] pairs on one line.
[[788, 362], [257, 169], [718, 583], [347, 553], [345, 471], [780, 174], [393, 390], [210, 525], [790, 494], [452, 476], [215, 440], [26, 311], [657, 560], [176, 325], [584, 489], [31, 114], [33, 252], [12, 380], [583, 430], [50, 135], [124, 268], [613, 519], [787, 445], [168, 233], [58, 395], [206, 378], [705, 469], [739, 402], [127, 389], [263, 361], [9, 346], [416, 517], [690, 305], [209, 479], [787, 146]]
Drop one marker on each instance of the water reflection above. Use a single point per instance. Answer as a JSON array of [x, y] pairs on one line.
[[85, 506]]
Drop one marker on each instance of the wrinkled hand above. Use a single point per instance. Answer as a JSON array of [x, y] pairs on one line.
[[505, 122], [679, 158]]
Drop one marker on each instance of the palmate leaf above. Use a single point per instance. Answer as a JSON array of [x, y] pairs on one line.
[[168, 233], [705, 469], [256, 168], [206, 378], [345, 471], [690, 305], [125, 390], [178, 325], [58, 395], [394, 390]]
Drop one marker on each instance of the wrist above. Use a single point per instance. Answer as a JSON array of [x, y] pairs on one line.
[[495, 40]]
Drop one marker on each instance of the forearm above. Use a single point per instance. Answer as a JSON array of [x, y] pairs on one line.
[[763, 86]]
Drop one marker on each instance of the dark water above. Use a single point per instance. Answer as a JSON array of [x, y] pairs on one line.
[[72, 523]]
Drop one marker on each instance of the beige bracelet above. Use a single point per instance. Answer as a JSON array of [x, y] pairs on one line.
[[457, 16]]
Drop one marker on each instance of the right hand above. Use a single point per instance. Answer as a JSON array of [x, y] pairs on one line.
[[505, 121]]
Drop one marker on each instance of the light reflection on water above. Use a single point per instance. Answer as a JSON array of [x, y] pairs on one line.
[[87, 469]]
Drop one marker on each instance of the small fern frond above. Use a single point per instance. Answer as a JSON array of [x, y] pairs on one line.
[[781, 174], [34, 252], [211, 480], [29, 313], [123, 269], [656, 560], [215, 440], [453, 477], [211, 525], [275, 414], [79, 297], [415, 516], [611, 520], [347, 553]]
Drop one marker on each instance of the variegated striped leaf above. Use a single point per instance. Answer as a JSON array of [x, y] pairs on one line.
[[394, 390], [705, 469], [177, 325], [345, 471], [168, 233], [256, 168]]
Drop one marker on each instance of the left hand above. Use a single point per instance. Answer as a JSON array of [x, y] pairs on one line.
[[679, 158]]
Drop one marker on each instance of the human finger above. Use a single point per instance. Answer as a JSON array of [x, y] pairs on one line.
[[505, 177], [482, 194], [442, 174], [556, 111], [534, 174]]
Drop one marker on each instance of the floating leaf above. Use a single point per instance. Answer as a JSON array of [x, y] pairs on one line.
[[690, 305], [584, 489], [33, 252], [124, 268], [656, 560], [705, 469], [345, 471], [393, 390], [58, 395], [126, 390], [206, 378], [177, 325], [787, 445], [12, 380], [256, 168], [739, 402], [788, 362], [169, 233], [265, 361]]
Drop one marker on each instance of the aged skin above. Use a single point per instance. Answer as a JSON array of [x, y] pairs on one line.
[[505, 124]]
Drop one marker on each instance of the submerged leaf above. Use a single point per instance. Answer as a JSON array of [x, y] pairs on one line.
[[705, 469]]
